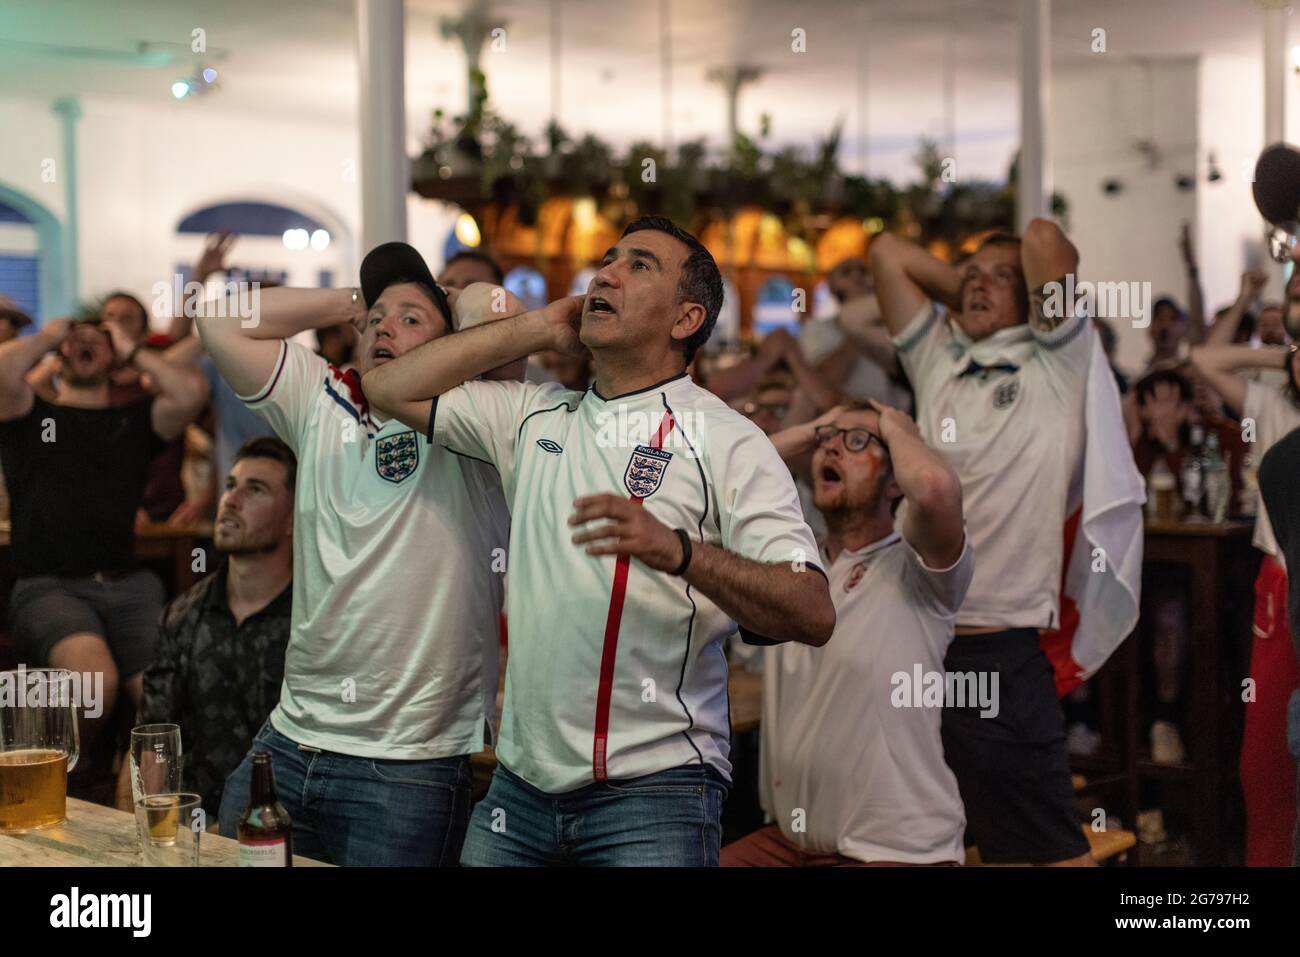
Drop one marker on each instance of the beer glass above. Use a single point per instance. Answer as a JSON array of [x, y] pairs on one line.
[[169, 826], [39, 744], [156, 760]]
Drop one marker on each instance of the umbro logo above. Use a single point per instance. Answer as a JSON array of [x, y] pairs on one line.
[[548, 446]]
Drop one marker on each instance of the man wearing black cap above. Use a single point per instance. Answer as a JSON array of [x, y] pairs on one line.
[[391, 669]]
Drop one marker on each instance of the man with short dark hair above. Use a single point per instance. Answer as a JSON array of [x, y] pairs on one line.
[[391, 670], [76, 469], [615, 737], [468, 267], [1003, 379], [219, 664], [12, 319]]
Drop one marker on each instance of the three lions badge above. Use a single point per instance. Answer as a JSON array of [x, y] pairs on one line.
[[645, 471], [396, 456]]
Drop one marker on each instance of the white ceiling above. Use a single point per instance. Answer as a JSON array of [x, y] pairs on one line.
[[297, 58]]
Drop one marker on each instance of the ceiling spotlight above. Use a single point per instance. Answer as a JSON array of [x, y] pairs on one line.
[[320, 239], [209, 75], [181, 89], [295, 238]]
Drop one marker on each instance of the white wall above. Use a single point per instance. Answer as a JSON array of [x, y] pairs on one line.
[[1231, 232], [1098, 111]]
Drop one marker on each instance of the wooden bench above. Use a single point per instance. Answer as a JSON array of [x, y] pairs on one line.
[[1103, 844]]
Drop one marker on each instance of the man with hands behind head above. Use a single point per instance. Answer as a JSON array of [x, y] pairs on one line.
[[647, 520]]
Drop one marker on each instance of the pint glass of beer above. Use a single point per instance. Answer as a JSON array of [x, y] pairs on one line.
[[38, 746]]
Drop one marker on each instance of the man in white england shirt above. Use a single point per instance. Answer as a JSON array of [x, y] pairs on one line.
[[647, 521], [852, 770]]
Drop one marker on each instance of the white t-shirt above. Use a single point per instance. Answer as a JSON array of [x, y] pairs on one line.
[[616, 669], [1274, 417], [869, 777], [394, 640], [1015, 439]]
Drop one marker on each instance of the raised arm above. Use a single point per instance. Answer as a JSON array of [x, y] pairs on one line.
[[1220, 365], [906, 276], [17, 359], [1195, 298], [405, 387], [1046, 255], [863, 325], [933, 523], [246, 349], [1225, 327], [213, 260], [781, 601], [182, 391]]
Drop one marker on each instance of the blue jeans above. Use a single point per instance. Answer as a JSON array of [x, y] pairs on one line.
[[360, 812], [668, 819]]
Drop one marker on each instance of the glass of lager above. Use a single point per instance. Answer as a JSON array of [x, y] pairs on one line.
[[169, 826], [156, 760], [38, 746]]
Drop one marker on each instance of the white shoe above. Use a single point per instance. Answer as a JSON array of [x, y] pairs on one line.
[[1166, 744], [1151, 827], [1082, 740]]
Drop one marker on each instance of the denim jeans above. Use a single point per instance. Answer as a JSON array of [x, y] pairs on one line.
[[360, 812], [668, 819]]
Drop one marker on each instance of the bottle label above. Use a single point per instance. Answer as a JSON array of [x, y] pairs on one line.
[[263, 853]]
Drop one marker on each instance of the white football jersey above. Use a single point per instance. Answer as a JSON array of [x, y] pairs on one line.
[[395, 631], [616, 670]]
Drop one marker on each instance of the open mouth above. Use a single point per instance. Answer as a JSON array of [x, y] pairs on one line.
[[597, 305], [379, 353], [829, 473], [980, 305]]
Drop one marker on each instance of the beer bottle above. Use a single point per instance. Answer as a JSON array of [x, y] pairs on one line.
[[265, 831]]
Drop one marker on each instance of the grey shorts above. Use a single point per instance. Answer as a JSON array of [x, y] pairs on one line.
[[123, 611]]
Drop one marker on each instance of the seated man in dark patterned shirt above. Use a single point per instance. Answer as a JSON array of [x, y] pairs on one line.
[[219, 663]]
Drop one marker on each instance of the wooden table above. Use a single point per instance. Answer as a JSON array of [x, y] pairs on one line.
[[98, 836], [1221, 566]]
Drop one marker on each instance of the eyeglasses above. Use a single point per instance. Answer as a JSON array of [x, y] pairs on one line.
[[1281, 245], [855, 440], [778, 409]]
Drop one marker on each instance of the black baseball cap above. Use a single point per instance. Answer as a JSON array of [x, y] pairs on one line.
[[391, 263]]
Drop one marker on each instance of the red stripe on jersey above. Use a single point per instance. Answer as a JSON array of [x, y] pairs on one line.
[[613, 621]]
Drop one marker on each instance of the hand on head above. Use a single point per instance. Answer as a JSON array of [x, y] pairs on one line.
[[564, 317]]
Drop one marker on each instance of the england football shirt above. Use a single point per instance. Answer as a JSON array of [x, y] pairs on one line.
[[398, 551], [1007, 412], [851, 757], [616, 670]]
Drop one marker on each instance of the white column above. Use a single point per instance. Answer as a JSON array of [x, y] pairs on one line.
[[385, 168], [1034, 186], [1276, 70], [68, 109]]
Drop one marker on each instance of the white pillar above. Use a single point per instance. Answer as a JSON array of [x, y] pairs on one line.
[[1276, 70], [385, 168], [68, 109], [1034, 186]]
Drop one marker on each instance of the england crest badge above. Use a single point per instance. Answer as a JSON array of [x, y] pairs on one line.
[[645, 471], [396, 456]]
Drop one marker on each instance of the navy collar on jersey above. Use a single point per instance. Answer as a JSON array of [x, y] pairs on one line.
[[649, 388]]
